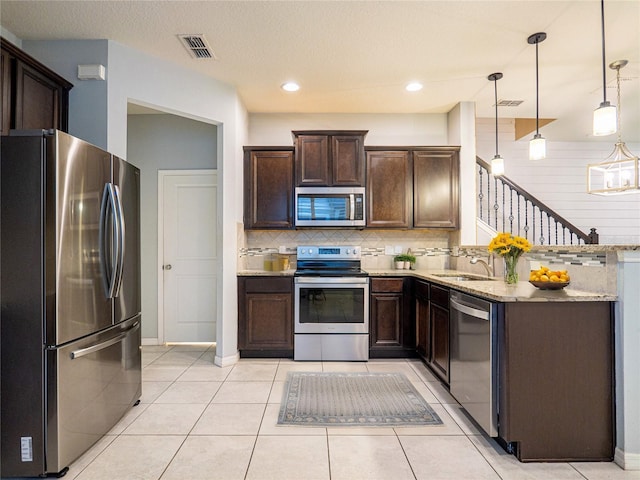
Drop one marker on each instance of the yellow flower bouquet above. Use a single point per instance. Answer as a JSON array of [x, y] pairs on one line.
[[509, 247]]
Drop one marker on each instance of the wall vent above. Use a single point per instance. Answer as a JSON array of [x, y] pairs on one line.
[[197, 46], [509, 103]]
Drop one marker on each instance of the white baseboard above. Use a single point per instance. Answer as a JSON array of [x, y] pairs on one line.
[[226, 361], [150, 341], [627, 461]]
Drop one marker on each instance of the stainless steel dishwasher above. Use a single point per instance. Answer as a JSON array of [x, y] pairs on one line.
[[473, 357]]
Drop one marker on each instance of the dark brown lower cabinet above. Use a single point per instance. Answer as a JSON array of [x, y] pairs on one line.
[[423, 344], [439, 330], [556, 400], [391, 331], [265, 316]]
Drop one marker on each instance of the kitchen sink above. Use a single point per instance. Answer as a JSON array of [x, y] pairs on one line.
[[457, 277]]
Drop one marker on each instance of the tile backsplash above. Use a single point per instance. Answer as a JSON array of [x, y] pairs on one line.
[[430, 248], [592, 268]]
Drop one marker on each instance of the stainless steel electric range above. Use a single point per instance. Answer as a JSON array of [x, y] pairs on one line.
[[331, 305]]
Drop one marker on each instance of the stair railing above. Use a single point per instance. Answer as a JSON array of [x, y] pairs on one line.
[[507, 207]]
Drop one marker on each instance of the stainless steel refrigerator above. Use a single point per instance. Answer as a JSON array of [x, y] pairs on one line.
[[70, 298]]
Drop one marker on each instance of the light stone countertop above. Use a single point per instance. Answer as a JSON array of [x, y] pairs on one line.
[[265, 273], [496, 290]]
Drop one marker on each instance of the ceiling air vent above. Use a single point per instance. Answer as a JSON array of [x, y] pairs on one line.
[[509, 103], [197, 46]]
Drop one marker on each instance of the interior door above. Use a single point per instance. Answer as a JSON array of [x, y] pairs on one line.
[[188, 255]]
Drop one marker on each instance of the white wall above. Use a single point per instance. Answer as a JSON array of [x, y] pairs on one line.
[[560, 180], [462, 131], [384, 129], [162, 142], [148, 81]]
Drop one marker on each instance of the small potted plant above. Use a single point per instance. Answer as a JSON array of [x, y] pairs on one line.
[[399, 260], [410, 261], [404, 261]]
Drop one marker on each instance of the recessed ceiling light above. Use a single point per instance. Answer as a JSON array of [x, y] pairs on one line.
[[413, 87], [290, 87]]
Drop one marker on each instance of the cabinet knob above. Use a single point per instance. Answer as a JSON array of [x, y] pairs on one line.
[[167, 267]]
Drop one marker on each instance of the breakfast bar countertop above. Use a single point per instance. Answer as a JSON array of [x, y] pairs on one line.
[[496, 289]]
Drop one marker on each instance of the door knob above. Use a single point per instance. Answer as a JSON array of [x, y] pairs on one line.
[[166, 267]]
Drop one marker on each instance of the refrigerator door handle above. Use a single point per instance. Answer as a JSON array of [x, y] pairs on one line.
[[101, 346], [120, 239], [109, 266]]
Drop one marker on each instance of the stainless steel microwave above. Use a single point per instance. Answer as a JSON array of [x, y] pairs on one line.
[[330, 207]]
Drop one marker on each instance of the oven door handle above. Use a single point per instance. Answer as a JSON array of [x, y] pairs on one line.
[[331, 280]]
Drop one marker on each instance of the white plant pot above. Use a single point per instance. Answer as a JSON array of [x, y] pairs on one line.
[[399, 265], [407, 265]]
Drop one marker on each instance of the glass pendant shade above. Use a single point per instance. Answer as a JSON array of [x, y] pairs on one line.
[[618, 174], [497, 166], [537, 147], [604, 120]]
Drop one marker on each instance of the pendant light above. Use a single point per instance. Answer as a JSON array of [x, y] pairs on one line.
[[537, 145], [619, 172], [604, 117], [497, 163]]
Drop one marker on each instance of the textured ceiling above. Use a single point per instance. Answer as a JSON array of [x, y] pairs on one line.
[[357, 56]]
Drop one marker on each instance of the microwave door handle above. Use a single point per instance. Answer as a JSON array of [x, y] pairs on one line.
[[352, 206]]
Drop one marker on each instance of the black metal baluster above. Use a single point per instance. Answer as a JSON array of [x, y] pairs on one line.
[[526, 219], [488, 200], [533, 221], [511, 210], [541, 228]]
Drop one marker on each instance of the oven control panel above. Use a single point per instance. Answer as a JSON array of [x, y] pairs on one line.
[[309, 252]]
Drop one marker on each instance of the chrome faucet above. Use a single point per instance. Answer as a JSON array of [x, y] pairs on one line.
[[486, 266]]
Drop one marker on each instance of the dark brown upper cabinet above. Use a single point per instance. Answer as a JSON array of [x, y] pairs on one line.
[[329, 158], [388, 189], [412, 187], [32, 95], [435, 189], [268, 192]]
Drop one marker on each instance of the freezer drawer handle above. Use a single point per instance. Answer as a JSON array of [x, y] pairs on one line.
[[100, 346], [474, 312]]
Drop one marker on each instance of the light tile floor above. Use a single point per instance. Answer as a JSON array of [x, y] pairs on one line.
[[200, 421]]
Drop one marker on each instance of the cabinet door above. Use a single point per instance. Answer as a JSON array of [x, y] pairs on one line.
[[5, 92], [347, 162], [265, 314], [386, 320], [37, 100], [439, 340], [388, 189], [422, 319], [312, 160], [435, 189], [268, 195], [269, 321]]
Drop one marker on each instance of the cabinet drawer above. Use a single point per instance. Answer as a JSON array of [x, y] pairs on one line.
[[440, 296], [422, 289], [268, 285], [386, 285]]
